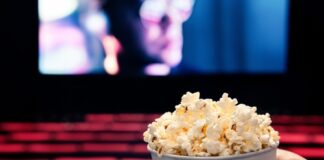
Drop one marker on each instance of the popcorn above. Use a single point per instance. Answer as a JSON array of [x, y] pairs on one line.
[[203, 127]]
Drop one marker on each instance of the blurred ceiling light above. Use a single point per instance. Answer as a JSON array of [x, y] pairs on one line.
[[50, 10]]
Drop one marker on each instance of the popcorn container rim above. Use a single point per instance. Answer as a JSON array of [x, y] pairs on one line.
[[264, 154]]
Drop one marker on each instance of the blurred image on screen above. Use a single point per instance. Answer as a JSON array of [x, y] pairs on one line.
[[163, 37]]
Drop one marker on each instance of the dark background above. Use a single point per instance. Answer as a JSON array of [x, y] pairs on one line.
[[25, 91]]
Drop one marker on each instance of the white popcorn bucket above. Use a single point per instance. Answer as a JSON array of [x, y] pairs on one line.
[[265, 154]]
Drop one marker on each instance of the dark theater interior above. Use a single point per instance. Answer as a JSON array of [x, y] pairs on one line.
[[82, 79]]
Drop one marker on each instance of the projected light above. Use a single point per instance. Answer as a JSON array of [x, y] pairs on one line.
[[163, 37], [154, 10], [64, 60], [96, 23], [157, 70], [50, 10]]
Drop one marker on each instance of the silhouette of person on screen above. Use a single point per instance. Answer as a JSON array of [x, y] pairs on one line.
[[145, 35]]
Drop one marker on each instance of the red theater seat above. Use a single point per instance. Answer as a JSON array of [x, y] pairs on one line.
[[120, 136]]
